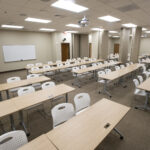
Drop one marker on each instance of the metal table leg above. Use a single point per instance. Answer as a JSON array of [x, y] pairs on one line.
[[12, 122], [66, 97], [23, 124], [7, 93], [118, 132], [145, 106]]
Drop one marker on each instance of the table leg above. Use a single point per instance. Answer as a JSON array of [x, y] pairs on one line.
[[2, 127], [145, 106], [7, 94], [12, 122], [66, 97], [118, 132], [0, 96], [23, 124]]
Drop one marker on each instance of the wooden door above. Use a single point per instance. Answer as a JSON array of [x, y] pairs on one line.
[[116, 48], [65, 51], [90, 49]]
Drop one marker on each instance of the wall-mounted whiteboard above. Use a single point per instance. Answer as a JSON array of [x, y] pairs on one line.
[[18, 52]]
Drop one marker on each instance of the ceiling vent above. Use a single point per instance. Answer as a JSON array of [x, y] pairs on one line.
[[129, 7]]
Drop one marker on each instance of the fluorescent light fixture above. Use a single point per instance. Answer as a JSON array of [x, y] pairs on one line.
[[129, 25], [144, 29], [147, 31], [68, 5], [73, 25], [116, 36], [97, 29], [109, 18], [71, 31], [37, 20], [113, 32], [47, 29], [11, 26]]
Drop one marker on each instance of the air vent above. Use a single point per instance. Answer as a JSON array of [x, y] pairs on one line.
[[127, 8]]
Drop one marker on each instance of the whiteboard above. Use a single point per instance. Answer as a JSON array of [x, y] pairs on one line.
[[18, 52]]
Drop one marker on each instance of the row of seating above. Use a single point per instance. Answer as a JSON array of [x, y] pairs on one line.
[[60, 114]]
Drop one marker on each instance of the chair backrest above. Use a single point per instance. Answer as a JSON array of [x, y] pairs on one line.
[[48, 85], [30, 65], [13, 79], [13, 140], [136, 82], [122, 66], [127, 64], [67, 63], [25, 90], [59, 64], [144, 68], [107, 71], [94, 64], [117, 67], [111, 61], [32, 76], [38, 64], [146, 74], [105, 62], [83, 66], [99, 63], [49, 62], [61, 113], [81, 101], [140, 78], [131, 63], [75, 68], [35, 68], [100, 72], [46, 67]]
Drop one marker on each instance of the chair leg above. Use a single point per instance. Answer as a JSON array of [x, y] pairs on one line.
[[2, 127], [118, 132]]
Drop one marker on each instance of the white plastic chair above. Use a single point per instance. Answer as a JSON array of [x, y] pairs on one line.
[[106, 62], [140, 79], [35, 68], [35, 85], [127, 64], [83, 66], [38, 64], [61, 113], [117, 68], [94, 64], [25, 90], [81, 101], [107, 71], [99, 79], [13, 140], [48, 85], [48, 72], [11, 80], [122, 66], [131, 63], [99, 63], [30, 65], [138, 91]]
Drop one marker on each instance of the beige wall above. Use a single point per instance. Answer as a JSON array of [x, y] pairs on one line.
[[145, 46], [84, 45], [42, 42]]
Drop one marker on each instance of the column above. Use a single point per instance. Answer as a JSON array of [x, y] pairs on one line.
[[124, 44], [103, 45], [135, 44]]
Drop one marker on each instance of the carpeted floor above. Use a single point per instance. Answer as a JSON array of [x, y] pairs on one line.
[[135, 126]]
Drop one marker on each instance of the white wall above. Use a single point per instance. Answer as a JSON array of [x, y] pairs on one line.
[[145, 46], [42, 42]]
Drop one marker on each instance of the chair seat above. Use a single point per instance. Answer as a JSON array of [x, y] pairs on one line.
[[49, 73], [101, 81], [140, 92]]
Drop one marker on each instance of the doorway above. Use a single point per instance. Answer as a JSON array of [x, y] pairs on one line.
[[90, 50], [116, 48], [65, 51]]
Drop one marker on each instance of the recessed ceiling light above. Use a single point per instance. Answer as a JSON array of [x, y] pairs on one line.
[[109, 18], [11, 26], [73, 25], [144, 29], [147, 31], [116, 36], [129, 25], [68, 5], [37, 20], [97, 29], [47, 29], [113, 32], [71, 31]]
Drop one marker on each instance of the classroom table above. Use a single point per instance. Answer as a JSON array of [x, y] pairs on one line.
[[146, 87], [40, 143], [88, 129], [20, 83], [118, 74], [17, 104], [91, 69]]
